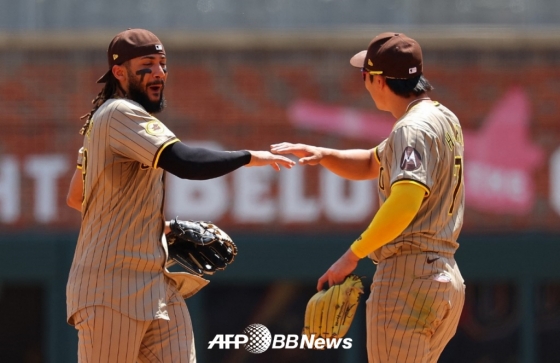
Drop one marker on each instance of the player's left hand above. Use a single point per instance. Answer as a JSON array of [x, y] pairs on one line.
[[262, 158], [307, 154], [339, 270]]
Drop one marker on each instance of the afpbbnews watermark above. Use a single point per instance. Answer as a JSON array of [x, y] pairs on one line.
[[256, 338]]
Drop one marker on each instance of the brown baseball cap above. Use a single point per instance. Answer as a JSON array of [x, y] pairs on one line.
[[393, 55], [129, 44]]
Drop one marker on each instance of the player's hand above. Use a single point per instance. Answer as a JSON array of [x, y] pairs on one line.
[[339, 270], [307, 154], [262, 158]]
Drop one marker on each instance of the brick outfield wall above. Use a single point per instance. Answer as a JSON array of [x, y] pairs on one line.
[[242, 99]]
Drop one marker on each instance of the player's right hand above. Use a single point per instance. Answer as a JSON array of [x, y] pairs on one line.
[[262, 158], [307, 154], [343, 267]]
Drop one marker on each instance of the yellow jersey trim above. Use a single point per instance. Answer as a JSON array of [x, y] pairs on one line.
[[376, 155], [160, 150]]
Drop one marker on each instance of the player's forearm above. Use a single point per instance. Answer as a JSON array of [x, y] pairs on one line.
[[199, 163], [75, 192], [354, 164], [74, 205], [392, 218]]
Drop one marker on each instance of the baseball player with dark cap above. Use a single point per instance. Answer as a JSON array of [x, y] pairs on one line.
[[126, 306], [417, 293]]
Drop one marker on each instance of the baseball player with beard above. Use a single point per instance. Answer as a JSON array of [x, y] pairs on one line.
[[417, 293], [125, 305]]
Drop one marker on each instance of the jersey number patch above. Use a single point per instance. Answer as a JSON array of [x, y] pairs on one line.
[[458, 176]]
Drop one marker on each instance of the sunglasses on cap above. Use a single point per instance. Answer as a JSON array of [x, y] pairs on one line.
[[366, 72]]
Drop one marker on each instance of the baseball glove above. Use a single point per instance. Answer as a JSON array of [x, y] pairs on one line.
[[329, 313], [199, 247]]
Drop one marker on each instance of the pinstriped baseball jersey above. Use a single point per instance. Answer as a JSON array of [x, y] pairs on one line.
[[425, 148], [119, 258]]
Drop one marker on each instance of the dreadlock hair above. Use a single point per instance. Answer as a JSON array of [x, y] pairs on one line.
[[107, 92]]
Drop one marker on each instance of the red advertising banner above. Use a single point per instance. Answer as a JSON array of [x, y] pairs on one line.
[[508, 105]]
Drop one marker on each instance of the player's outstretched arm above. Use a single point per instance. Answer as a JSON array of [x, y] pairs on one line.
[[201, 164], [262, 158], [354, 164]]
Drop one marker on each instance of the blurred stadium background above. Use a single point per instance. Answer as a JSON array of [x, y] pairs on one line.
[[249, 73]]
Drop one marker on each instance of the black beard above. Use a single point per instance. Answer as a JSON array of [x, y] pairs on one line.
[[137, 94]]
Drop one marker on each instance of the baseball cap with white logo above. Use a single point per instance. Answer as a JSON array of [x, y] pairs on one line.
[[393, 55], [130, 44]]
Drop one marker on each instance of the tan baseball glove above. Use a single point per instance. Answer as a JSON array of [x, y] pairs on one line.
[[329, 313]]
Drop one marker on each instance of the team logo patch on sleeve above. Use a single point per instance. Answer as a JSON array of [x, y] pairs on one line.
[[410, 159], [155, 128]]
